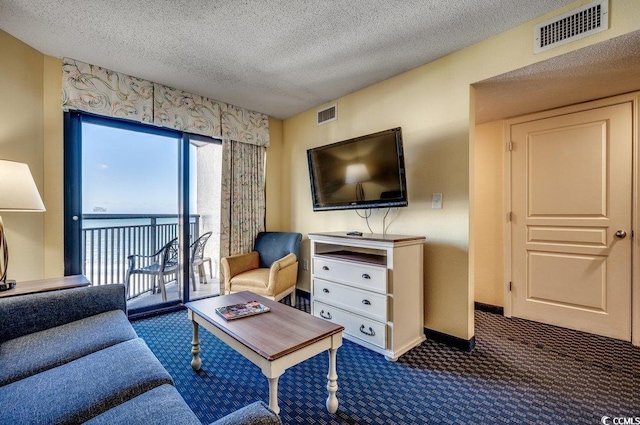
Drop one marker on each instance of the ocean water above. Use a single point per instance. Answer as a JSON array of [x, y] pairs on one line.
[[123, 222]]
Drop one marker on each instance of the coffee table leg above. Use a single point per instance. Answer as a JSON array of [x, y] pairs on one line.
[[196, 363], [273, 394], [332, 384]]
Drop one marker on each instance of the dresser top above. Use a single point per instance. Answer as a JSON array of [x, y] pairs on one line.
[[369, 237]]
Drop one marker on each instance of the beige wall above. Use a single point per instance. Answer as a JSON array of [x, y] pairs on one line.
[[21, 139], [275, 219], [434, 106], [53, 168], [489, 216]]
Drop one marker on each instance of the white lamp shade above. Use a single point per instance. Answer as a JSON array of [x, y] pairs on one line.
[[18, 191], [356, 173]]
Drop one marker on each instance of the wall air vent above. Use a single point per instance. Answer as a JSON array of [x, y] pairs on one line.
[[327, 114], [578, 23]]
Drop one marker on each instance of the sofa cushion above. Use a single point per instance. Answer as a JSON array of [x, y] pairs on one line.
[[30, 354], [256, 413], [161, 405], [79, 390], [35, 312]]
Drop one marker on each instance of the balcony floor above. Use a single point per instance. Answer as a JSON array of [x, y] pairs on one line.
[[211, 288]]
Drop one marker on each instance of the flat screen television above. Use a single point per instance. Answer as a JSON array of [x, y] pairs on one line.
[[364, 172]]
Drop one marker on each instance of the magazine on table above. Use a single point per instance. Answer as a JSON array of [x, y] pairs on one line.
[[237, 311]]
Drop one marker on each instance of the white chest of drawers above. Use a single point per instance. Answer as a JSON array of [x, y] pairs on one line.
[[373, 286]]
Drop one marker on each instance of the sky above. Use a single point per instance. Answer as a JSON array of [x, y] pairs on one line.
[[129, 172]]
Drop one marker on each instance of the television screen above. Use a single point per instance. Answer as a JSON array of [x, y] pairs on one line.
[[365, 172]]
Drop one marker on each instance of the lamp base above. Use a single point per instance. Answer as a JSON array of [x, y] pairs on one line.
[[9, 284]]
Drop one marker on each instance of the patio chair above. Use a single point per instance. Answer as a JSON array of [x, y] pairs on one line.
[[164, 262], [270, 270], [198, 260]]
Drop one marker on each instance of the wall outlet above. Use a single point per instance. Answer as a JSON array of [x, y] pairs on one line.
[[436, 200], [305, 264]]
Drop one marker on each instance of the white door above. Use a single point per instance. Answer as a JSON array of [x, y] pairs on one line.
[[571, 220]]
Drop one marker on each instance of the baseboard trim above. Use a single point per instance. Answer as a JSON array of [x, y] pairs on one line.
[[453, 341], [488, 308]]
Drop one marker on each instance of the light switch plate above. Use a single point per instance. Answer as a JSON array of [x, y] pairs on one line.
[[436, 200]]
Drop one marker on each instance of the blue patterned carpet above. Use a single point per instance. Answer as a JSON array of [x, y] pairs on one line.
[[519, 373]]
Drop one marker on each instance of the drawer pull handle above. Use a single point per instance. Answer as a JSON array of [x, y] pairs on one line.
[[326, 316], [370, 333], [366, 302], [325, 290], [325, 268], [366, 276]]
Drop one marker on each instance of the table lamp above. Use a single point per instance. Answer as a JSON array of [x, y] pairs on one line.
[[18, 193]]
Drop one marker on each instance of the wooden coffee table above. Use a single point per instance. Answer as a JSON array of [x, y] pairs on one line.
[[273, 341]]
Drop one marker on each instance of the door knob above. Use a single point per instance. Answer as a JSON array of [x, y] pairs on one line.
[[621, 234]]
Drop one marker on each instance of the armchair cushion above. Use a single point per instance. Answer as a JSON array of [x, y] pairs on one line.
[[268, 281], [255, 281], [273, 246]]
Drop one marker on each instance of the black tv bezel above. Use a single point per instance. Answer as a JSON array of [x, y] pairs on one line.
[[356, 205]]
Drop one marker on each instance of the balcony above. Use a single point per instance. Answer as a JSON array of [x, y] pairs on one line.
[[108, 239]]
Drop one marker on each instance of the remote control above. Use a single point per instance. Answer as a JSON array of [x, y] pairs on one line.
[[354, 233]]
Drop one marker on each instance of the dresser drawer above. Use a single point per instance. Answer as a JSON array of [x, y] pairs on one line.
[[355, 274], [357, 326], [367, 303]]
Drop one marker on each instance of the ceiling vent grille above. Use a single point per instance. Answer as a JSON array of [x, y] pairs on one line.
[[328, 114], [578, 23]]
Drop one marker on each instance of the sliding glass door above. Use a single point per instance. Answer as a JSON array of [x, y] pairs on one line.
[[131, 211]]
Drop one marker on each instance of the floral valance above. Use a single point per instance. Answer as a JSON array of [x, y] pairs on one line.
[[101, 91], [185, 111]]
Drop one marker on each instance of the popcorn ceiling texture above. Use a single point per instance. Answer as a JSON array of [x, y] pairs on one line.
[[276, 57]]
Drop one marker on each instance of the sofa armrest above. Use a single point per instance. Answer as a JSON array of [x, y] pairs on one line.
[[257, 413], [26, 314]]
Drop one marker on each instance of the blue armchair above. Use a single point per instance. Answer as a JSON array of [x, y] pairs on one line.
[[270, 270]]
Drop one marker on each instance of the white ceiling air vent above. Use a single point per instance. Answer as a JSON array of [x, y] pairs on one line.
[[578, 23], [327, 114]]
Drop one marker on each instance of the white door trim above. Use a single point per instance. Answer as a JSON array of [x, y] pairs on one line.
[[634, 98]]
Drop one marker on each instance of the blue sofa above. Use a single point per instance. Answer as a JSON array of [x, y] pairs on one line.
[[71, 356]]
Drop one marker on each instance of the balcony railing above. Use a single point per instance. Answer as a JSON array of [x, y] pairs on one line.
[[108, 239]]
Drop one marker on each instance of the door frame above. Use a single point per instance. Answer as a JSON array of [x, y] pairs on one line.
[[634, 99], [72, 199]]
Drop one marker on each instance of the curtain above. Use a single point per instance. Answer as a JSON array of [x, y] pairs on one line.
[[242, 209], [108, 93]]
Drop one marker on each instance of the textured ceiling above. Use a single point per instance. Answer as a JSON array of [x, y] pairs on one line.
[[276, 57], [598, 71]]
